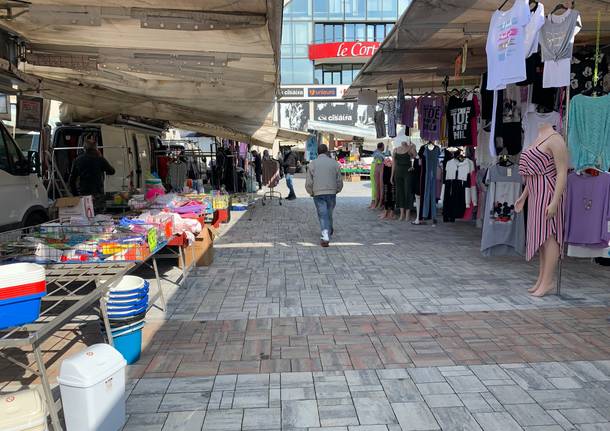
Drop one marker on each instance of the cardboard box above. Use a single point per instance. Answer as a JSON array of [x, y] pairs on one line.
[[202, 250], [78, 206]]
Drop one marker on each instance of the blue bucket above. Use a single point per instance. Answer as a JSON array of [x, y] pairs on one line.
[[127, 313], [124, 306], [20, 310], [128, 341]]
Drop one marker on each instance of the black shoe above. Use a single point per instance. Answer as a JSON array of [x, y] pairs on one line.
[[291, 197], [324, 243]]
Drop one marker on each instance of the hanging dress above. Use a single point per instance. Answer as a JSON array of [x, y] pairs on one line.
[[389, 189], [404, 181], [538, 169]]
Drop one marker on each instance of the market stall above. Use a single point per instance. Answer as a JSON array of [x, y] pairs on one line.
[[509, 102]]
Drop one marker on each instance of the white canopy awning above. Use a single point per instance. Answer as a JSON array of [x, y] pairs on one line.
[[423, 46], [208, 66]]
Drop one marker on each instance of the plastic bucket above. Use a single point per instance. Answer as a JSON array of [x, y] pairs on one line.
[[20, 310], [128, 285], [17, 274], [127, 296], [127, 313], [129, 343]]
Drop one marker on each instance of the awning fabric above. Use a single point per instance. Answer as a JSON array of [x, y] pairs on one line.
[[210, 66], [427, 38]]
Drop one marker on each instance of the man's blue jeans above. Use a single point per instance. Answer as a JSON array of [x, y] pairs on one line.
[[289, 184], [325, 204]]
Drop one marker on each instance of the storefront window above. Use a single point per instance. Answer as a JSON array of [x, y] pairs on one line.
[[355, 9], [350, 33], [360, 32], [302, 71], [320, 9], [297, 9], [302, 38], [379, 32], [388, 28], [335, 9], [319, 33], [390, 9], [373, 9], [318, 76], [370, 33], [338, 33]]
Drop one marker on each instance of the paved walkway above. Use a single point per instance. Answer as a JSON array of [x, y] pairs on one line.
[[394, 327]]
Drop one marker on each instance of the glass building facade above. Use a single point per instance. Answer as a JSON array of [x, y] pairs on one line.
[[323, 21]]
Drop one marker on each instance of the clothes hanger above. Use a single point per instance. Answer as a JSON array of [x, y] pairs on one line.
[[502, 5], [559, 7], [533, 5]]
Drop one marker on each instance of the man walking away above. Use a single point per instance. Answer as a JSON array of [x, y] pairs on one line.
[[290, 168], [323, 183], [87, 176]]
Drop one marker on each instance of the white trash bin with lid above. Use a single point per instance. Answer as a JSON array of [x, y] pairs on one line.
[[92, 385], [23, 411]]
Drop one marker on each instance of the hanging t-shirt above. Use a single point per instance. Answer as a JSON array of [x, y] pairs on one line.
[[430, 110], [545, 97], [532, 30], [408, 112], [532, 122], [506, 50], [460, 113], [380, 123], [557, 41], [583, 67], [503, 228]]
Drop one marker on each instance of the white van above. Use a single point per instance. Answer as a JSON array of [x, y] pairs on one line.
[[23, 197], [129, 149]]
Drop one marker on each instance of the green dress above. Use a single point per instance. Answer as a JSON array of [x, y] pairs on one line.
[[404, 181], [374, 165]]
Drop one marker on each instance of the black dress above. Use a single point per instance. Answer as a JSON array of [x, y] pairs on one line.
[[389, 191]]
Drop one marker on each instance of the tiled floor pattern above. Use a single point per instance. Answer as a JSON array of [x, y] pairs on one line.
[[394, 327], [540, 396], [269, 264], [361, 342]]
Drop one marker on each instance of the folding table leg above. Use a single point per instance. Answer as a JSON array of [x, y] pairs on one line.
[[104, 310], [182, 258], [46, 387], [158, 278]]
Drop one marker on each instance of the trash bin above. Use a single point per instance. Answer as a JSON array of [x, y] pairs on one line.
[[23, 411], [92, 385]]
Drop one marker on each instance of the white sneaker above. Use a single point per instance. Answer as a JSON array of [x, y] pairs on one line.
[[325, 235]]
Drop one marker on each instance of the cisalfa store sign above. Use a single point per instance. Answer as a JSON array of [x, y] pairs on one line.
[[312, 92], [322, 51]]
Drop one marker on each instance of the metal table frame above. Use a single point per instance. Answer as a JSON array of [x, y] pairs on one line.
[[67, 283]]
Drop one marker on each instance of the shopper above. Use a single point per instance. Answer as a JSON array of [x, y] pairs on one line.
[[88, 171], [289, 163], [323, 183], [258, 168]]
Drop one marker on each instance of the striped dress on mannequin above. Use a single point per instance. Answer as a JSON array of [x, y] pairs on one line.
[[538, 169]]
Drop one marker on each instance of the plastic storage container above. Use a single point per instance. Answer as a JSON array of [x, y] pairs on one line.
[[92, 385], [21, 287], [23, 411]]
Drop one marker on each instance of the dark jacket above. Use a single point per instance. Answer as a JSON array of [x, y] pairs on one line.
[[290, 162], [258, 164], [87, 176]]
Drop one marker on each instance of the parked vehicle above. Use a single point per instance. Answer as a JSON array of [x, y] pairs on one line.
[[22, 193], [128, 148]]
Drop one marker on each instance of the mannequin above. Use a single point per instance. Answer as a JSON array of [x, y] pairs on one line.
[[388, 190], [402, 177], [545, 168], [431, 153]]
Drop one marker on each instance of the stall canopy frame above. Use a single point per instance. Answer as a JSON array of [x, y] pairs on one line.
[[423, 46]]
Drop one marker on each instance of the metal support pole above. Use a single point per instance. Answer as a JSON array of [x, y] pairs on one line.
[[156, 269], [565, 138], [46, 387], [104, 310]]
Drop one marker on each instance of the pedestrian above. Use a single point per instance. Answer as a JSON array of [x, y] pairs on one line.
[[258, 168], [323, 183], [88, 173], [289, 163]]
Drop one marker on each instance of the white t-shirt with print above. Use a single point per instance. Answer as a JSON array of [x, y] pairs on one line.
[[506, 50]]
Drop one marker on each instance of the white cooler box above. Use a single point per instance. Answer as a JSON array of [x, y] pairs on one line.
[[92, 385], [22, 411]]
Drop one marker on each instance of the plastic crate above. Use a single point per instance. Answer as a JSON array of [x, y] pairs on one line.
[[19, 311]]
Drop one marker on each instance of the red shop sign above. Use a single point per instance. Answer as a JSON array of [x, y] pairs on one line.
[[342, 49]]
